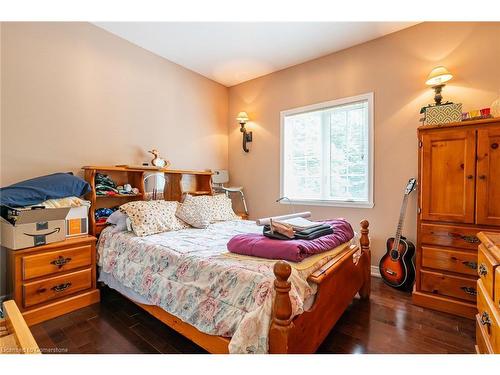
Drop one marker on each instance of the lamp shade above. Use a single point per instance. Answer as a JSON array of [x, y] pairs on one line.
[[242, 117], [438, 76]]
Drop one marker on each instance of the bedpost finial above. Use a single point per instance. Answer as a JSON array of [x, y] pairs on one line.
[[282, 270], [364, 224]]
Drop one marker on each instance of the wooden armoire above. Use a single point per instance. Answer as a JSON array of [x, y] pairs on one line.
[[459, 196]]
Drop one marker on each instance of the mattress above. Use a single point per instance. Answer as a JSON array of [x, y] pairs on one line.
[[190, 274]]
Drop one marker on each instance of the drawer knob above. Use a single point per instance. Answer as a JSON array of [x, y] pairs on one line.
[[61, 287], [470, 177], [472, 265], [469, 290], [485, 319], [60, 261], [482, 270]]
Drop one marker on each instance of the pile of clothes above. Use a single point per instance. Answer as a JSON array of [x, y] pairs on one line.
[[293, 249], [52, 191], [282, 231], [104, 185], [102, 214]]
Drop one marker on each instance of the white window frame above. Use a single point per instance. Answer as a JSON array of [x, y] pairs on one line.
[[324, 105]]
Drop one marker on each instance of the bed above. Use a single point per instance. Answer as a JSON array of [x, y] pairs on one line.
[[235, 304]]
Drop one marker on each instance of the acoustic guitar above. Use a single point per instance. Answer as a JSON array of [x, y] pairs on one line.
[[397, 267]]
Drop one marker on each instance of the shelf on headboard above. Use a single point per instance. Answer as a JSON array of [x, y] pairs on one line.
[[134, 175], [121, 168], [119, 196]]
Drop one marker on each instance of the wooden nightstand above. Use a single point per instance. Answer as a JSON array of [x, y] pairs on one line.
[[51, 280]]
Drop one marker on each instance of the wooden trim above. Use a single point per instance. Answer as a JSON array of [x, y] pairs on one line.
[[212, 344], [446, 304], [64, 306], [459, 124]]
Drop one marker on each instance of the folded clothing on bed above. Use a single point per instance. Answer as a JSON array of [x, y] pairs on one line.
[[306, 234], [293, 250]]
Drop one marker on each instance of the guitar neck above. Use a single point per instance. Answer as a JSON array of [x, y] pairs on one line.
[[402, 214]]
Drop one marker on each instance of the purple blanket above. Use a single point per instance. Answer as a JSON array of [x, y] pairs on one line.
[[294, 250]]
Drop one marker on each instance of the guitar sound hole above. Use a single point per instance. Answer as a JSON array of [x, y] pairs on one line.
[[394, 254]]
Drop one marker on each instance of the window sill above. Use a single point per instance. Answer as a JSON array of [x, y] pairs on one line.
[[317, 202]]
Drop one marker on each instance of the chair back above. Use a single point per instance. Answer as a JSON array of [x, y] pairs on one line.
[[220, 176]]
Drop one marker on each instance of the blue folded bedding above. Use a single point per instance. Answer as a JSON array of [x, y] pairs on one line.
[[39, 189]]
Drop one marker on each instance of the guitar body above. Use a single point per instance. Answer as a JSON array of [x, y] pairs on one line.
[[397, 267]]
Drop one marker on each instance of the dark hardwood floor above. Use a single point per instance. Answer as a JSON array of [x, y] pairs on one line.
[[388, 323]]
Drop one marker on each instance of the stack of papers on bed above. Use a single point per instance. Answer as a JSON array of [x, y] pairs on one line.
[[299, 223]]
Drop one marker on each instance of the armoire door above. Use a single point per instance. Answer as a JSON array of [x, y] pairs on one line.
[[488, 176], [448, 161]]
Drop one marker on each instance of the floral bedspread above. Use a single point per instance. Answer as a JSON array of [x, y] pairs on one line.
[[186, 273]]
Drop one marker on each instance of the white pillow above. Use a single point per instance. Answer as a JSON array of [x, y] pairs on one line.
[[119, 220]]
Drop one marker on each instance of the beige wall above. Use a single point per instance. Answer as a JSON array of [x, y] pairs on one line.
[[394, 68], [74, 94]]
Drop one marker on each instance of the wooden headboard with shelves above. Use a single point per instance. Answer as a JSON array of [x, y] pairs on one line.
[[177, 183]]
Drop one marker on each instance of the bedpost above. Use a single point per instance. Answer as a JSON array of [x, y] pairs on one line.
[[364, 242], [282, 309]]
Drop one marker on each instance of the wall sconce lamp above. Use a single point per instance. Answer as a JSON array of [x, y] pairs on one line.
[[436, 79], [247, 136]]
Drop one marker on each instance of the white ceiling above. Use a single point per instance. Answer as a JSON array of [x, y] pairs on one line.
[[234, 52]]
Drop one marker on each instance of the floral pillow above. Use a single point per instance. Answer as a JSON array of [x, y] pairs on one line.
[[200, 211], [151, 217], [194, 213], [222, 208]]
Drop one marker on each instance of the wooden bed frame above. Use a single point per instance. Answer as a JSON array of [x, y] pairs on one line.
[[338, 282]]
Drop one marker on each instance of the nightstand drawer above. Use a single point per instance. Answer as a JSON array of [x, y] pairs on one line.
[[55, 287], [488, 317], [448, 285], [486, 265], [54, 262], [450, 260]]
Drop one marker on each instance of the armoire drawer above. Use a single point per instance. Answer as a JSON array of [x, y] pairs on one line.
[[486, 265], [37, 292], [448, 285], [488, 317], [452, 260], [449, 235]]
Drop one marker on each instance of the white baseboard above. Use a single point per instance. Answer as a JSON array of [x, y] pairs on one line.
[[375, 272]]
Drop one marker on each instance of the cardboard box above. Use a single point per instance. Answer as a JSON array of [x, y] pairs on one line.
[[21, 228], [77, 221]]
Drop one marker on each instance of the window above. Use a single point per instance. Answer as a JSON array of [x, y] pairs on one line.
[[327, 153]]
